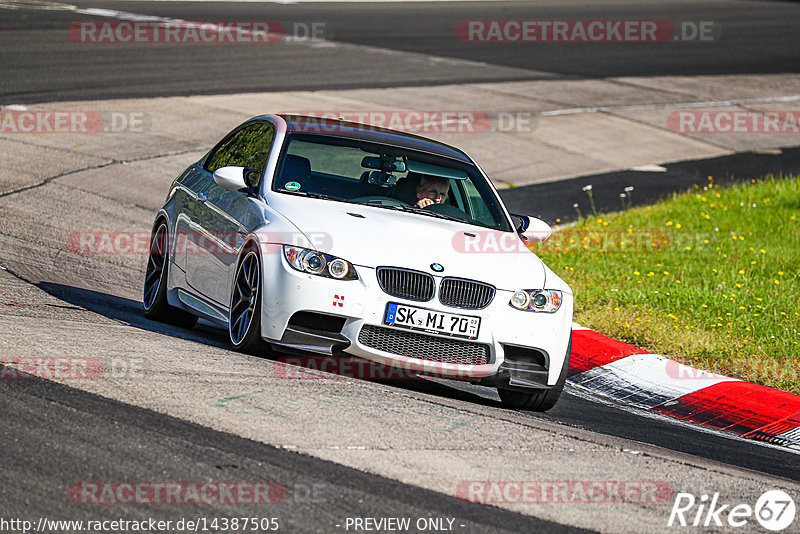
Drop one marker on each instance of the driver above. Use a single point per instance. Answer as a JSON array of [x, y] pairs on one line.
[[432, 190]]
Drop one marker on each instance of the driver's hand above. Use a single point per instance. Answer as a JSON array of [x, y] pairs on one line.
[[423, 202]]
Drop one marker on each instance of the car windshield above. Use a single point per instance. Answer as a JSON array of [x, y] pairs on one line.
[[361, 172]]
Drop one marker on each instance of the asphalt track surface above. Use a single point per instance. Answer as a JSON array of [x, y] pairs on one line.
[[319, 494], [51, 433], [41, 64], [572, 410]]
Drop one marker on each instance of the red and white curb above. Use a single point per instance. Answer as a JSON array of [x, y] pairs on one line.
[[634, 377]]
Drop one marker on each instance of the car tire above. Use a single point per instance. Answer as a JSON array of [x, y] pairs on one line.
[[537, 401], [154, 297], [244, 315]]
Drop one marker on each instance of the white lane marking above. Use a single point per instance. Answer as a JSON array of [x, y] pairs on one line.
[[36, 5], [793, 437], [648, 168], [646, 380], [701, 104]]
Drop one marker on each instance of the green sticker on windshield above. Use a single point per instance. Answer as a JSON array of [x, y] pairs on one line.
[[292, 186]]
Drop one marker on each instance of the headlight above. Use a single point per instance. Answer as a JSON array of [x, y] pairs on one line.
[[521, 299], [314, 262], [338, 268], [537, 300]]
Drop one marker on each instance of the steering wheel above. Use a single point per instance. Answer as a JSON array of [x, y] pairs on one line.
[[447, 209]]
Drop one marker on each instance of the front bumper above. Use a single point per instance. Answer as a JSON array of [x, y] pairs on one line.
[[361, 305]]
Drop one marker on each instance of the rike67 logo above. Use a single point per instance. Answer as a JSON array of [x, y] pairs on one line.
[[774, 510]]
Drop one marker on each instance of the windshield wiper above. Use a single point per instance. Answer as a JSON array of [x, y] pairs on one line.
[[414, 209], [306, 194], [423, 211]]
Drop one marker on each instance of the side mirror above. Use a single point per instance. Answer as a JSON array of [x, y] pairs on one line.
[[536, 230], [235, 178]]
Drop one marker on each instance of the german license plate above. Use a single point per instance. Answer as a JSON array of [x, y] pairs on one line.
[[435, 322]]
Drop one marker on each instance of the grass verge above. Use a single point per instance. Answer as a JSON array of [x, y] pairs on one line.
[[710, 278]]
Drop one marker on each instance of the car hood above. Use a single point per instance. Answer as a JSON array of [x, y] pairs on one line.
[[372, 237]]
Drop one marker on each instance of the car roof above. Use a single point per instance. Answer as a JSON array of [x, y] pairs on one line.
[[374, 134]]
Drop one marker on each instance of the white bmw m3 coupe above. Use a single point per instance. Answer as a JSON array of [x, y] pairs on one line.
[[332, 237]]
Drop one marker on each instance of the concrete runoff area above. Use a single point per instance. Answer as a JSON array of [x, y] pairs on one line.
[[115, 181], [542, 130]]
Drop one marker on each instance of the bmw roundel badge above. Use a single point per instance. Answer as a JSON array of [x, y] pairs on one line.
[[437, 267]]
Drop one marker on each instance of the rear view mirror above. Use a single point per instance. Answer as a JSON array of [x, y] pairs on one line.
[[383, 164], [436, 170]]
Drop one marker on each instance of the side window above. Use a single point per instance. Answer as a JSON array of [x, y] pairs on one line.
[[249, 148], [252, 148], [457, 195], [478, 209], [223, 152]]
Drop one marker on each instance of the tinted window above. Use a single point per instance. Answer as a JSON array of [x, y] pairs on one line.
[[248, 147]]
